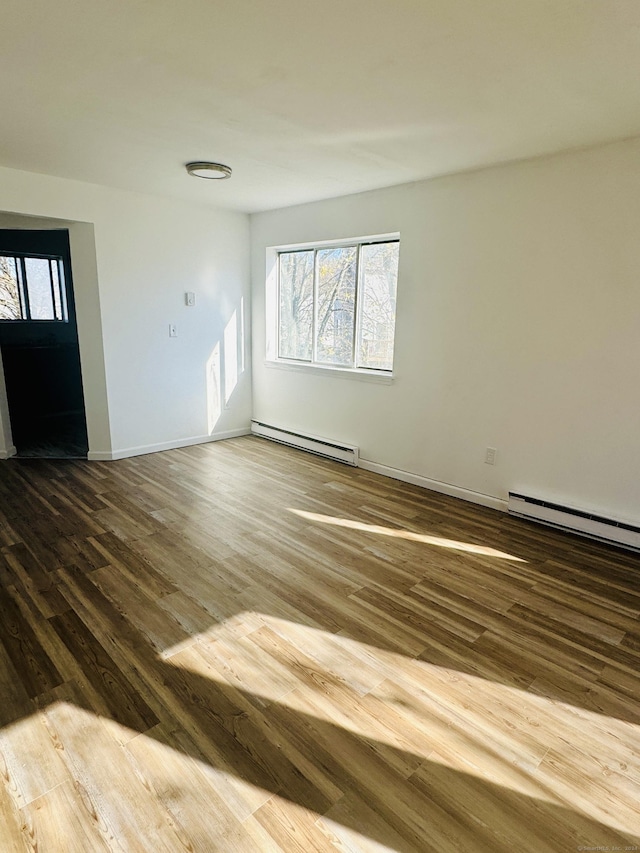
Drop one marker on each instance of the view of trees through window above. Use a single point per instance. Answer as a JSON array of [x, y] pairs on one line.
[[31, 288], [337, 305]]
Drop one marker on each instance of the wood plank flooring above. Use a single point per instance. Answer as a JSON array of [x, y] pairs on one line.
[[240, 647]]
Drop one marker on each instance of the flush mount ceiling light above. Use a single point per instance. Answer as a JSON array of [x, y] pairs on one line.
[[209, 171]]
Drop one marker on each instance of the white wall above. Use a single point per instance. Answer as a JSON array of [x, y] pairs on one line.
[[518, 328], [133, 258]]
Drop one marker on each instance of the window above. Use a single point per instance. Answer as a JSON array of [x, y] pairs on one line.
[[31, 288], [337, 304]]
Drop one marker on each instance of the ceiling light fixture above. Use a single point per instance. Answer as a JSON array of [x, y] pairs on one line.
[[209, 171]]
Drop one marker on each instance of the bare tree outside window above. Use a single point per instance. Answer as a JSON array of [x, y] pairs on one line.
[[9, 290], [296, 305], [337, 305], [336, 277], [379, 281]]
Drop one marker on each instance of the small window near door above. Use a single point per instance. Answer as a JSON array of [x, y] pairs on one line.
[[31, 288]]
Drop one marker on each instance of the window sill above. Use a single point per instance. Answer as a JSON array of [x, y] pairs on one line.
[[329, 370]]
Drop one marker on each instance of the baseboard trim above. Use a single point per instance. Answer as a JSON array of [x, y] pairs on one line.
[[8, 453], [435, 485], [142, 450], [375, 467]]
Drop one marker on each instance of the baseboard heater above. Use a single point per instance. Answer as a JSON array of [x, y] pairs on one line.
[[320, 446], [578, 521]]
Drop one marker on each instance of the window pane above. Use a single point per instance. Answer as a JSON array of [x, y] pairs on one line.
[[9, 290], [39, 288], [336, 303], [377, 306], [296, 305], [55, 272]]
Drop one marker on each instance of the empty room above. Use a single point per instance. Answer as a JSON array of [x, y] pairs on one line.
[[319, 418]]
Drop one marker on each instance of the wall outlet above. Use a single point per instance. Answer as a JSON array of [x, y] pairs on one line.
[[173, 332], [490, 455]]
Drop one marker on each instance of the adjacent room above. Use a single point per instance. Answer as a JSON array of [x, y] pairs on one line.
[[319, 478]]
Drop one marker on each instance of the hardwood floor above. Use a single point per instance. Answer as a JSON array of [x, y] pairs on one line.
[[239, 647]]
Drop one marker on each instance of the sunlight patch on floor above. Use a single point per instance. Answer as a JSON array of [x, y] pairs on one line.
[[526, 743], [425, 538], [80, 781]]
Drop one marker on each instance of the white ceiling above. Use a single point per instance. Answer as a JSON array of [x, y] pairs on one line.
[[308, 100]]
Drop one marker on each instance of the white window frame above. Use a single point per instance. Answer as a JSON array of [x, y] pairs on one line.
[[272, 306]]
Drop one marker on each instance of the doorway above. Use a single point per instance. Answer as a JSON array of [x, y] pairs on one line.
[[39, 344]]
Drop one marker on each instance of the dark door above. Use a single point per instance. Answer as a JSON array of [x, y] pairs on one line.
[[39, 342]]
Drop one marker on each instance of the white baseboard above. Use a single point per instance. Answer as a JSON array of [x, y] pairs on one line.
[[8, 453], [435, 485], [375, 467], [141, 450]]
